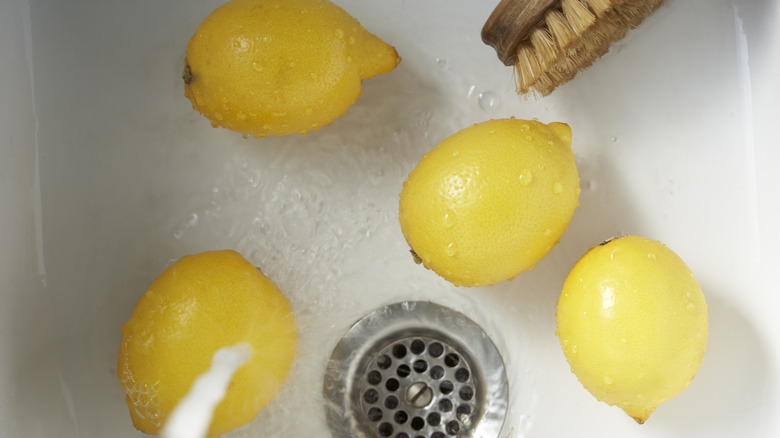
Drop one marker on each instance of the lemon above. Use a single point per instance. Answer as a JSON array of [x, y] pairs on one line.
[[491, 200], [277, 67], [195, 307], [632, 321]]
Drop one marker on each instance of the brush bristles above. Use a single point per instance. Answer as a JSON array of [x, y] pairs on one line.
[[572, 37]]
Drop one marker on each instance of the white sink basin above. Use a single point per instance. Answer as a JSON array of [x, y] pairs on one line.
[[107, 174]]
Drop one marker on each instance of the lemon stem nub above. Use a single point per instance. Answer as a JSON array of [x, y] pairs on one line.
[[187, 73], [416, 258]]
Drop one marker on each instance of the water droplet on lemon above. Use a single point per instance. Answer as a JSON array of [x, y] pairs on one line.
[[526, 177]]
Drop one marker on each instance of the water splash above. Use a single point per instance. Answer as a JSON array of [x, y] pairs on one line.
[[191, 418]]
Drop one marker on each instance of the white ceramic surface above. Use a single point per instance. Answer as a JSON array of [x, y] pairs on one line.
[[107, 174]]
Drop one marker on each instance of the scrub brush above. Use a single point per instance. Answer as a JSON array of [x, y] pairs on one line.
[[549, 41]]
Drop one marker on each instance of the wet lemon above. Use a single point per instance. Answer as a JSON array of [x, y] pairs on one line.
[[490, 201], [195, 307], [632, 322], [277, 67]]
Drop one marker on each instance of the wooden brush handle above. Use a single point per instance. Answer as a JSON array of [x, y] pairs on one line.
[[511, 22]]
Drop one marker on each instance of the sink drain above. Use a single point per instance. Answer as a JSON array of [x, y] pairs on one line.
[[415, 369]]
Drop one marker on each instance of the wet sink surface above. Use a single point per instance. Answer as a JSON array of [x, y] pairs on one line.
[[132, 178]]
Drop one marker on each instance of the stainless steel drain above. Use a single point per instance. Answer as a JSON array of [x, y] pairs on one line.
[[415, 369]]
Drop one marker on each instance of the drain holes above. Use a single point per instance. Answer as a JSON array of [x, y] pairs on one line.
[[399, 351], [371, 396], [384, 362], [385, 429], [417, 346], [436, 349], [414, 378], [374, 377], [452, 427], [451, 360], [403, 371], [419, 387], [374, 414], [392, 385]]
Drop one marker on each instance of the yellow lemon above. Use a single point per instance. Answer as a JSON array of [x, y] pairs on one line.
[[632, 321], [195, 307], [277, 67], [491, 200]]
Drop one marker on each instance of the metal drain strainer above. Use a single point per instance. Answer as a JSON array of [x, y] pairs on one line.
[[415, 369]]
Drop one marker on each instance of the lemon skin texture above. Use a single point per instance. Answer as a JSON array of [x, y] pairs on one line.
[[632, 321], [195, 307], [278, 67], [490, 201]]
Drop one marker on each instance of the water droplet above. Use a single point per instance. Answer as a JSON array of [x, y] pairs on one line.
[[613, 139], [608, 379], [557, 187], [524, 127], [526, 177], [241, 116], [449, 219], [257, 66], [338, 33], [651, 256], [488, 101], [690, 307], [574, 349], [455, 154], [471, 91], [441, 63], [451, 249], [547, 232]]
